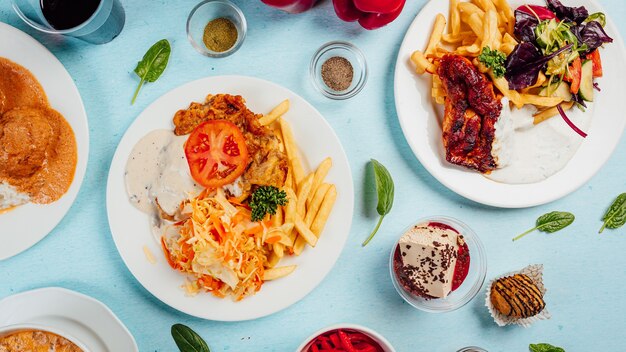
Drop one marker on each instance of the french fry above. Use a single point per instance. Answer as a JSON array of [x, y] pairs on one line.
[[273, 260], [485, 5], [322, 215], [551, 112], [278, 272], [507, 48], [289, 179], [279, 249], [299, 245], [292, 152], [475, 22], [435, 36], [305, 232], [468, 8], [455, 18], [539, 100], [303, 193], [277, 219], [320, 175], [458, 38], [290, 208], [316, 202], [277, 112], [502, 6], [421, 63]]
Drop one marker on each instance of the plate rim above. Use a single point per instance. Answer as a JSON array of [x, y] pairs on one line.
[[349, 192], [82, 159], [432, 169]]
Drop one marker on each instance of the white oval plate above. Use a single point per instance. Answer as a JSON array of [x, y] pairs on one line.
[[420, 122], [63, 96], [83, 317], [131, 229]]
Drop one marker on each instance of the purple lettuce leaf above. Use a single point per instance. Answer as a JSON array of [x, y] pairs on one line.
[[525, 25], [524, 64], [591, 34], [566, 13]]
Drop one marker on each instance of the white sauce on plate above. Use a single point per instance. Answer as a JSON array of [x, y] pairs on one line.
[[157, 170], [539, 151]]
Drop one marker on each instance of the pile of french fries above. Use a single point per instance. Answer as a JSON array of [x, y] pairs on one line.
[[472, 26], [310, 200]]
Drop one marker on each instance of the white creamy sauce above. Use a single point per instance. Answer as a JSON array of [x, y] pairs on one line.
[[533, 153], [157, 170]]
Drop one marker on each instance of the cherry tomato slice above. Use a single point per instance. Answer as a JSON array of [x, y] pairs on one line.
[[216, 153]]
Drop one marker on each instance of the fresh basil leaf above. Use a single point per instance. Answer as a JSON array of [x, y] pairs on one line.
[[153, 63], [385, 192], [188, 340], [544, 347], [615, 216], [550, 222], [554, 221]]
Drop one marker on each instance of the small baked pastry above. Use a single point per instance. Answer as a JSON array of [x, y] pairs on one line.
[[517, 296]]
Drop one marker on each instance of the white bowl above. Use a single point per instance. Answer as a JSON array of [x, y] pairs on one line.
[[386, 345], [12, 329]]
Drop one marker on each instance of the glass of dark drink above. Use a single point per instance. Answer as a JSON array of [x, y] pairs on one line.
[[94, 21]]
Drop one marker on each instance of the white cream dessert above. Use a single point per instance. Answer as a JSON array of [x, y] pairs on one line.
[[429, 257]]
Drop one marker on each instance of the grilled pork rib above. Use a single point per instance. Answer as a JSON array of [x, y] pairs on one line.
[[471, 111]]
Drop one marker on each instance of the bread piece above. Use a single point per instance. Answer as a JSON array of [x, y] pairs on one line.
[[517, 296]]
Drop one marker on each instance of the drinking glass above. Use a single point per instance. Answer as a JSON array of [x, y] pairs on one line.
[[104, 25]]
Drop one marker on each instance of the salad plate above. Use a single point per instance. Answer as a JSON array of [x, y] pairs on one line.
[[63, 96], [81, 316], [131, 229], [420, 121]]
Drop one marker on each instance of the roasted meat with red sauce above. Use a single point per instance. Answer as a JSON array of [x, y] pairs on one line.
[[268, 164], [471, 111]]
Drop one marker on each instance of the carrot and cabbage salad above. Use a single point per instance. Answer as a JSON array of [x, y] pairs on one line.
[[220, 247]]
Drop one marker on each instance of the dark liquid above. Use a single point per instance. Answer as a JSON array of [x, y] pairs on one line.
[[66, 14]]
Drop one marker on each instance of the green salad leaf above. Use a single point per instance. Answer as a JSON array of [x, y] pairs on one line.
[[493, 59], [153, 63], [544, 347], [615, 216], [598, 16], [385, 193], [188, 340], [265, 200], [550, 222]]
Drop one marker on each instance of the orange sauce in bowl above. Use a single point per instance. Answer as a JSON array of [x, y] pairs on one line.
[[36, 341]]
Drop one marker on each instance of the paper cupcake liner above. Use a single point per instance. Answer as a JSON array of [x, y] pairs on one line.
[[535, 273]]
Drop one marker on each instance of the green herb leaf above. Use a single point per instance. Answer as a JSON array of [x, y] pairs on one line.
[[550, 222], [187, 340], [150, 68], [598, 16], [385, 192], [265, 200], [493, 59], [615, 217], [544, 347]]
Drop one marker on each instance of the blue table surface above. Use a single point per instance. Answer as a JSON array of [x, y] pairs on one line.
[[584, 271]]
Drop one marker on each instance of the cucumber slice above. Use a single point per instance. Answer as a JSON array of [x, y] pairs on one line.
[[561, 91], [586, 81]]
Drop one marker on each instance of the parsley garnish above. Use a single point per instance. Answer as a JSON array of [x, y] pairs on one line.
[[265, 200], [493, 59]]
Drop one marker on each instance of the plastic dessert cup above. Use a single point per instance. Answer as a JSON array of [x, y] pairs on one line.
[[470, 286]]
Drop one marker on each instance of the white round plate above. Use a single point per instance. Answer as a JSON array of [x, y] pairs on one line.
[[131, 228], [63, 96], [420, 122], [83, 317]]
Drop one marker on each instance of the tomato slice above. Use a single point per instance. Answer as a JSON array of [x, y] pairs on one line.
[[216, 153]]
